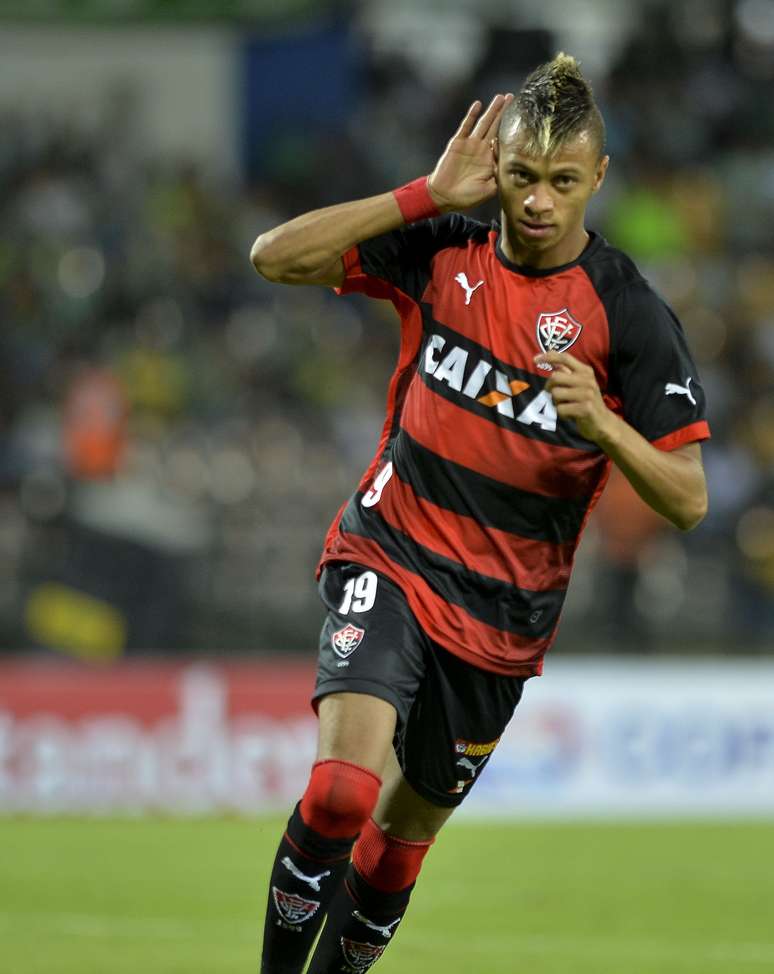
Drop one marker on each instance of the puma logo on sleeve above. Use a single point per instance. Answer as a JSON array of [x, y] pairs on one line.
[[673, 389]]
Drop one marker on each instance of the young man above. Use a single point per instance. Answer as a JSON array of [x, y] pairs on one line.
[[444, 574]]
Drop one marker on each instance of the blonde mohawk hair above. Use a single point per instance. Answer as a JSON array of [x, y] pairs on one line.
[[555, 103]]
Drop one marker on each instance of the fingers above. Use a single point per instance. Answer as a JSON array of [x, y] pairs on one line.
[[568, 394], [486, 127], [479, 126], [561, 360], [571, 383], [495, 124], [468, 123]]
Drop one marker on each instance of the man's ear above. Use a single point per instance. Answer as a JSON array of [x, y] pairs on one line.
[[599, 176], [495, 144]]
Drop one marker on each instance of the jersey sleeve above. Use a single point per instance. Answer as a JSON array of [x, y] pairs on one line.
[[652, 371], [399, 262]]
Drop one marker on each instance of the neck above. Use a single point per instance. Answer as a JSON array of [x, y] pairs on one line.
[[527, 254]]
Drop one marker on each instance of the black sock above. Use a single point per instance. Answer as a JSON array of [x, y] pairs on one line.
[[361, 924], [308, 868]]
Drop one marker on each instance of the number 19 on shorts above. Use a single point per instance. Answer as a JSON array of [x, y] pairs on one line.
[[359, 593]]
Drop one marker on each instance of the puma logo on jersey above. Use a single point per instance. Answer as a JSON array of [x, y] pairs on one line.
[[468, 378], [462, 280], [673, 389]]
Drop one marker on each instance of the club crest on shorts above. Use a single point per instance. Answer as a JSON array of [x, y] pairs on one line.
[[359, 956], [345, 641], [292, 907], [556, 331]]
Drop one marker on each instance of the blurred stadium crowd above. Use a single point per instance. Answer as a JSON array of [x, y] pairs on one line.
[[176, 433]]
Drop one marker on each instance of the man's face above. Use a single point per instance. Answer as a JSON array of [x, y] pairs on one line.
[[544, 198]]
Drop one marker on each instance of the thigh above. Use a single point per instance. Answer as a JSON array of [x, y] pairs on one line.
[[454, 726], [358, 728], [371, 647]]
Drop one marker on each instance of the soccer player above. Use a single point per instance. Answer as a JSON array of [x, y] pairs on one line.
[[533, 355]]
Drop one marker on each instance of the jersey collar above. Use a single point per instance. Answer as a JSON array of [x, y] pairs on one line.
[[595, 241]]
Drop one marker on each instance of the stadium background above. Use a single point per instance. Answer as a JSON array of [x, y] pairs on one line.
[[176, 434]]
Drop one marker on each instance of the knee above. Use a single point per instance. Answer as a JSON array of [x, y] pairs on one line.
[[339, 798]]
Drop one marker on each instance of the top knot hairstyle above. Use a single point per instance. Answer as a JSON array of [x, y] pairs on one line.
[[555, 104]]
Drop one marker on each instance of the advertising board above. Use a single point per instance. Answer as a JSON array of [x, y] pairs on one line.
[[592, 737]]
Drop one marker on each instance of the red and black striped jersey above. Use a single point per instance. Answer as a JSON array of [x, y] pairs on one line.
[[477, 496]]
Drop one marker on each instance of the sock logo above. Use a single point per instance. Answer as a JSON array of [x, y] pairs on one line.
[[359, 957], [313, 881], [293, 908], [385, 931]]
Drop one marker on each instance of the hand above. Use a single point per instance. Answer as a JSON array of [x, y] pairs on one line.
[[576, 395], [464, 176]]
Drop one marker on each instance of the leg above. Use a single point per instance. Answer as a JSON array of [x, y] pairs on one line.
[[356, 727], [454, 725], [370, 904], [401, 812], [370, 664], [355, 736]]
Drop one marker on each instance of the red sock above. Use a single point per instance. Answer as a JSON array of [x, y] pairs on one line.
[[312, 859], [386, 862], [369, 905]]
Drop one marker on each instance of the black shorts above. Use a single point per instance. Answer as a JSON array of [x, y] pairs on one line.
[[451, 715]]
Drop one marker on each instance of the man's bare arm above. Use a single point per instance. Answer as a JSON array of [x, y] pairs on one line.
[[671, 482], [308, 249]]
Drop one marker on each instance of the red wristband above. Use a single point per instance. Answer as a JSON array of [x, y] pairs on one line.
[[415, 201]]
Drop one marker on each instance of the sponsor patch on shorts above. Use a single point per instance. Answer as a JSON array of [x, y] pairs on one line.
[[470, 749]]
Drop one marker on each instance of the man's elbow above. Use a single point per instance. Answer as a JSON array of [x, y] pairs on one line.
[[691, 514], [276, 262], [264, 259]]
